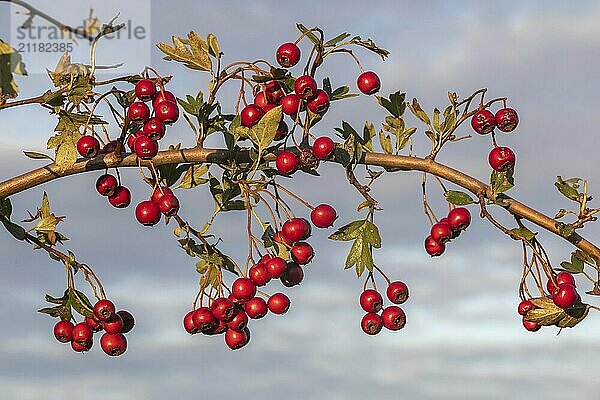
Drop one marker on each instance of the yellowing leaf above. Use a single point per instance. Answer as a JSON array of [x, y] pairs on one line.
[[10, 63], [193, 52]]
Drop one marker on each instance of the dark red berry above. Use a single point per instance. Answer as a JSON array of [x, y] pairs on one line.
[[288, 55], [109, 147], [243, 289], [393, 318], [223, 309], [371, 323], [295, 229], [259, 274], [323, 147], [138, 112], [434, 248], [483, 122], [368, 82], [188, 323], [147, 213], [203, 319], [168, 204], [293, 275], [218, 328], [114, 324], [236, 340], [80, 347], [371, 301], [525, 306], [282, 131], [132, 138], [287, 162], [163, 96], [239, 321], [250, 115], [531, 325], [441, 232], [121, 198], [145, 90], [501, 159], [565, 296], [276, 266], [507, 119], [88, 146], [459, 218], [278, 303], [397, 292], [106, 185], [320, 103], [113, 344], [155, 129], [274, 92], [128, 320], [302, 253], [159, 192], [256, 308], [323, 216], [145, 148], [82, 333], [63, 331], [290, 104], [167, 112], [305, 87], [104, 310], [94, 324]]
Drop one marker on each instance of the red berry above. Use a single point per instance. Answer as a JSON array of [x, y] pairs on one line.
[[276, 266], [163, 96], [82, 333], [239, 321], [483, 122], [94, 324], [302, 253], [120, 198], [278, 303], [88, 146], [159, 192], [279, 238], [82, 346], [63, 331], [138, 112], [236, 340], [305, 87], [290, 104], [147, 213], [531, 325], [128, 320], [507, 119], [104, 310], [459, 218], [167, 112], [295, 229], [145, 148], [243, 289], [274, 92], [218, 328], [188, 323], [525, 306], [371, 323], [434, 248], [565, 277], [145, 90], [287, 162], [565, 296], [113, 344], [260, 100], [250, 115], [371, 301], [106, 185], [203, 319], [223, 309], [323, 147], [320, 103], [293, 275], [288, 55], [168, 205], [323, 216], [441, 232], [256, 308], [393, 318], [154, 129], [368, 82], [397, 292], [114, 324], [259, 274], [501, 159], [132, 138]]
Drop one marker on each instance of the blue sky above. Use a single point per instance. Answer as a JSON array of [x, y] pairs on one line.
[[463, 339]]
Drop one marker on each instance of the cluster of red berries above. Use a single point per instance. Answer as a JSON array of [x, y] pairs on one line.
[[230, 315], [563, 293], [162, 201], [446, 229], [114, 324], [288, 162], [392, 317], [484, 121]]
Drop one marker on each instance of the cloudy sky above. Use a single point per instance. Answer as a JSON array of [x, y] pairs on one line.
[[463, 339]]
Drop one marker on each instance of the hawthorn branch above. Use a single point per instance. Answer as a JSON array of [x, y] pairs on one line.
[[51, 172]]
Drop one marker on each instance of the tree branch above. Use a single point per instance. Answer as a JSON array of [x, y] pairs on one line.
[[200, 155]]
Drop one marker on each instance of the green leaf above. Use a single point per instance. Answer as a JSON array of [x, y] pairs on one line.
[[193, 176], [523, 232], [5, 207], [386, 143], [61, 311], [370, 45], [193, 56], [502, 181], [458, 198], [371, 234], [337, 39], [263, 133], [568, 187], [449, 119], [55, 99], [574, 315], [213, 46], [80, 303], [349, 231], [37, 156], [418, 112], [437, 125], [16, 230], [311, 36], [565, 230]]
